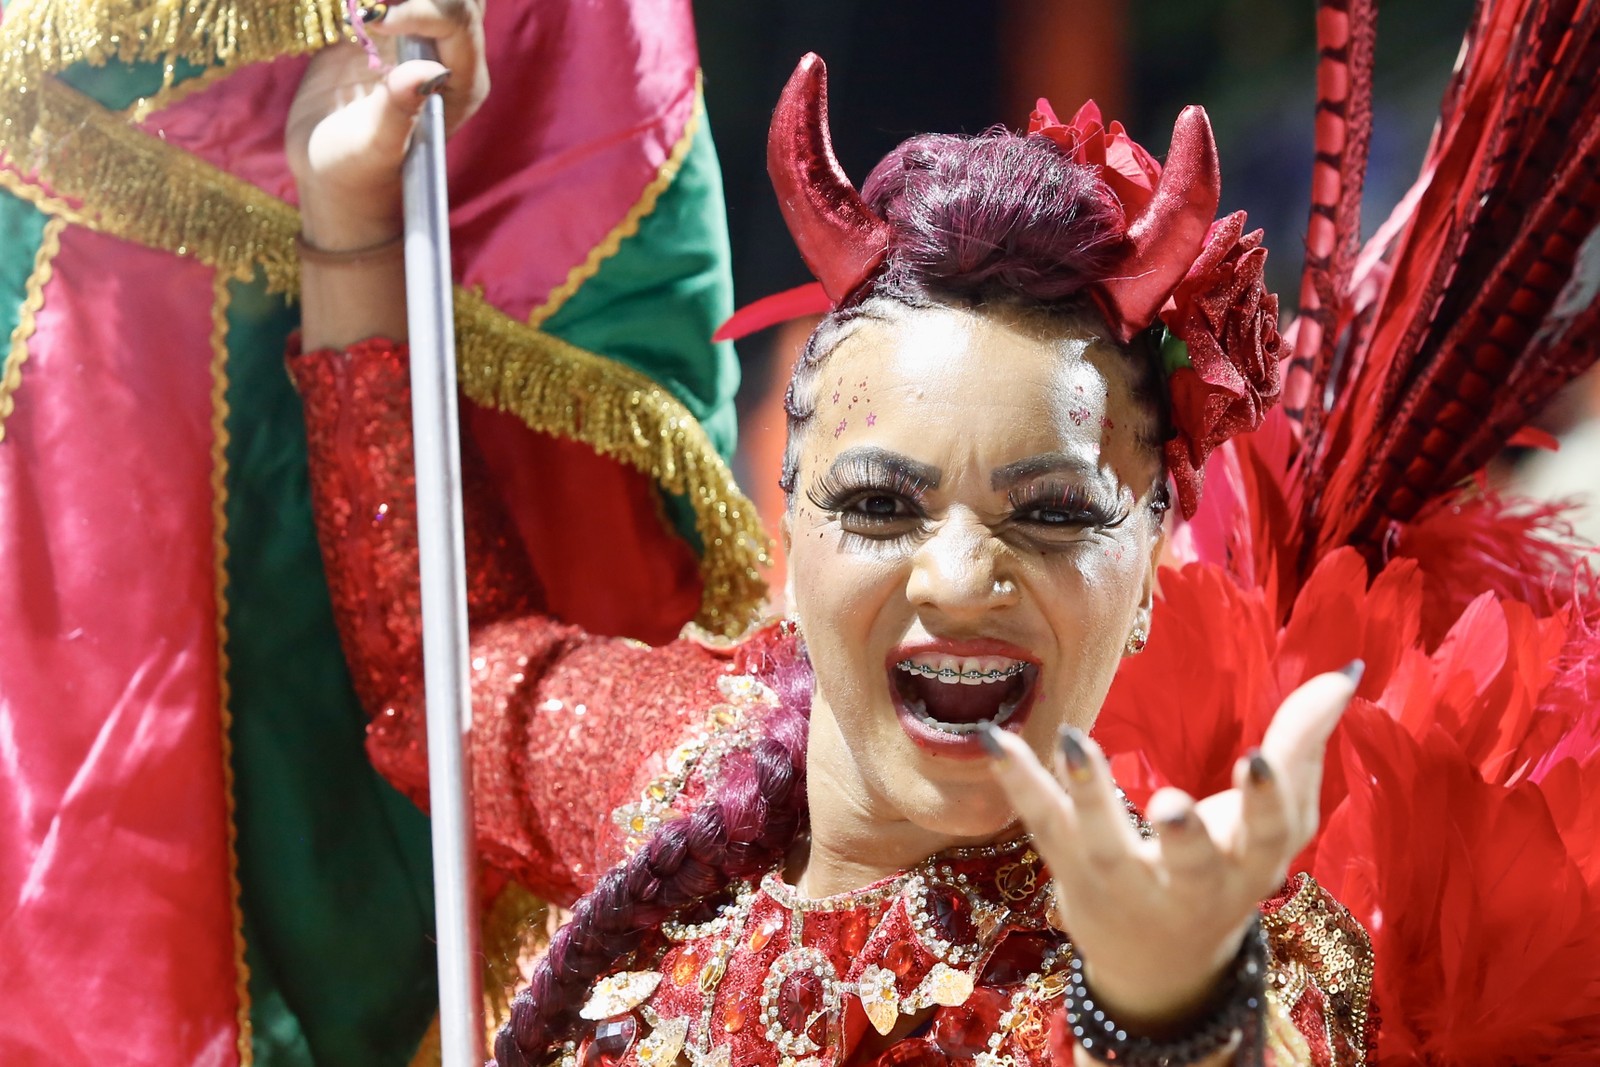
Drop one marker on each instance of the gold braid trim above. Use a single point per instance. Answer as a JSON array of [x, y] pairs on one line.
[[110, 177], [33, 300], [221, 295], [42, 37], [608, 246]]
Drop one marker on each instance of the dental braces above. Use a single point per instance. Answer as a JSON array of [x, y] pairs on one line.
[[947, 673]]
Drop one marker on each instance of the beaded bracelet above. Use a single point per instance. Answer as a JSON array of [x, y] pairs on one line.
[[1235, 1011]]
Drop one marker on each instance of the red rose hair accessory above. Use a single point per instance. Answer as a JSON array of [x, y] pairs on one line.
[[1167, 211], [1203, 278], [1222, 351]]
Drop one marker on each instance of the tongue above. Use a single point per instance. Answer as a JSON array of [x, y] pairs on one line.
[[958, 703]]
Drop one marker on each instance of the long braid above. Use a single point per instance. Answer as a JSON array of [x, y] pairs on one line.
[[739, 831]]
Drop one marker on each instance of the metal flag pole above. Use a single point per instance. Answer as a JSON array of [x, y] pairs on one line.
[[440, 544]]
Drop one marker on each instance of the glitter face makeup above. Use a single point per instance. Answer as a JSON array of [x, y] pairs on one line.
[[974, 551]]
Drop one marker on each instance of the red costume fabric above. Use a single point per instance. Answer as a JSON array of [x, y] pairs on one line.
[[582, 744]]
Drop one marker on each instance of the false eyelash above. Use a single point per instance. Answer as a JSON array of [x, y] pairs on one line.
[[1074, 500], [836, 488]]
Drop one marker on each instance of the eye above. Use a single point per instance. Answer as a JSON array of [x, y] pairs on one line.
[[872, 509], [1059, 517], [1060, 508]]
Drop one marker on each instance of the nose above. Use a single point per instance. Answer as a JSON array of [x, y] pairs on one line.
[[957, 571]]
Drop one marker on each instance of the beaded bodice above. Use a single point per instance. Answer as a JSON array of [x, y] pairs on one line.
[[958, 951], [956, 960]]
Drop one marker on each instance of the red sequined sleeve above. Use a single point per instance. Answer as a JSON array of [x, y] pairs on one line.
[[566, 726]]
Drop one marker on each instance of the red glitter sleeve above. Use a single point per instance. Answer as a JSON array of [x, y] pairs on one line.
[[566, 725]]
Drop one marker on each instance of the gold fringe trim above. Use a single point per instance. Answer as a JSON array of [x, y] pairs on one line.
[[665, 175], [32, 301], [221, 296], [43, 37], [558, 388], [139, 188]]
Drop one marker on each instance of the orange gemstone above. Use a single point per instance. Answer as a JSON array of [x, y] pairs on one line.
[[763, 934], [853, 930], [900, 956], [687, 966], [733, 1018]]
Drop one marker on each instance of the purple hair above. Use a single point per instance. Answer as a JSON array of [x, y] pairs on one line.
[[998, 217], [739, 831]]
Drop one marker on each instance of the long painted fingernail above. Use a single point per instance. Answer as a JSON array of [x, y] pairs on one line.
[[1257, 768], [374, 14], [1074, 754], [434, 84], [1354, 670], [989, 738]]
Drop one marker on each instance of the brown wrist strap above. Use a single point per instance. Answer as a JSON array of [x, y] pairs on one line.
[[383, 251]]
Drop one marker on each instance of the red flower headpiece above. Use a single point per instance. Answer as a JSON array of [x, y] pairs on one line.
[[1222, 348], [1201, 279]]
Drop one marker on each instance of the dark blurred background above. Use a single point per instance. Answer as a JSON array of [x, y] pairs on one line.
[[898, 68]]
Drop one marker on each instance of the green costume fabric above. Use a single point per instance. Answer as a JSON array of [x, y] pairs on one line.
[[333, 863]]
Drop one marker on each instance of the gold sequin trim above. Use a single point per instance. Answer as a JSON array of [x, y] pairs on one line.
[[725, 729], [1336, 957], [221, 296], [1285, 1043], [138, 188], [33, 300], [665, 175]]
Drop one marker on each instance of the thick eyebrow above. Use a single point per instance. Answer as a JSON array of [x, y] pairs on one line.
[[1012, 474], [891, 462]]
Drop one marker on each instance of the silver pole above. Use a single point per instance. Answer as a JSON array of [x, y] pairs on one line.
[[435, 426]]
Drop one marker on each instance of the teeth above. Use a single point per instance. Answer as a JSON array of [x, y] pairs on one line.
[[920, 710], [952, 670]]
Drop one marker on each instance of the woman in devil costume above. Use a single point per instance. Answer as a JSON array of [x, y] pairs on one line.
[[836, 840]]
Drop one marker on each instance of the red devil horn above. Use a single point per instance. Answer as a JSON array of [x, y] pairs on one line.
[[1167, 236], [839, 237]]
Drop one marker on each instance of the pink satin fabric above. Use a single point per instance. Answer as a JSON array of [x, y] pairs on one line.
[[595, 94], [116, 925]]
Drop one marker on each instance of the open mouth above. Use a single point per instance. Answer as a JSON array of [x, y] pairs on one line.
[[956, 696]]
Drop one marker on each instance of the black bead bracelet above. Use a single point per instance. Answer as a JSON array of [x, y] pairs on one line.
[[1235, 1010]]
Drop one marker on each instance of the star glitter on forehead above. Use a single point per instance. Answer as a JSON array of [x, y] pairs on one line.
[[872, 418]]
